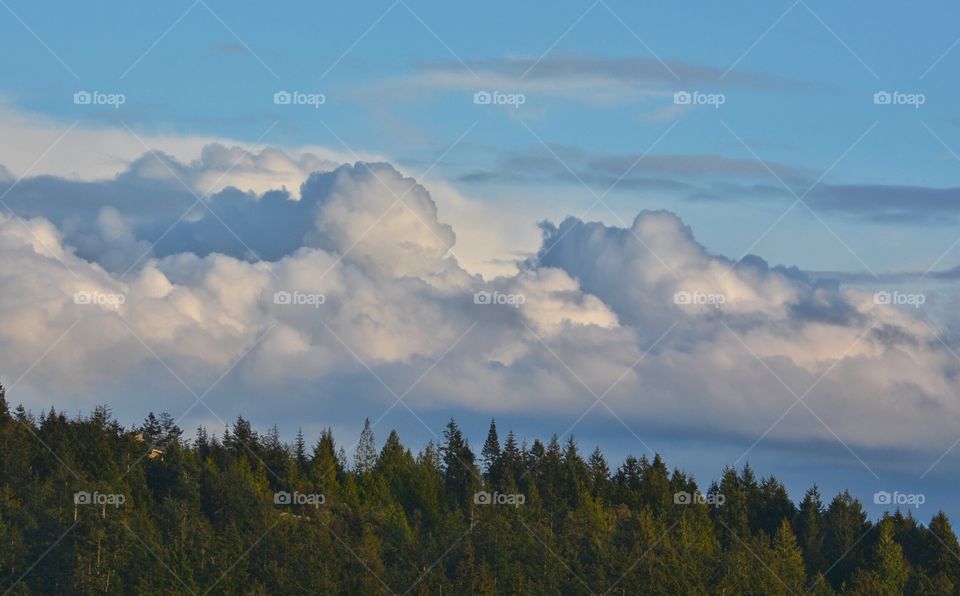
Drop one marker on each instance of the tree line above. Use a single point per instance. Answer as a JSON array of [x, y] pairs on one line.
[[90, 507]]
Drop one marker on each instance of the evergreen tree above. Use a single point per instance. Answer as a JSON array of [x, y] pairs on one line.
[[300, 450], [774, 506], [892, 569], [511, 460], [325, 466], [787, 559], [460, 475], [845, 524], [491, 450], [809, 529], [4, 407], [242, 441], [599, 472], [202, 442], [365, 457], [942, 551], [169, 430], [151, 430]]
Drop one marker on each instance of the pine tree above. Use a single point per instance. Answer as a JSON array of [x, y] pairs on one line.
[[575, 473], [892, 569], [491, 450], [202, 443], [942, 553], [734, 515], [511, 465], [809, 531], [151, 430], [460, 475], [4, 408], [325, 466], [243, 441], [845, 524], [599, 471], [300, 450], [365, 457], [787, 563], [169, 430], [774, 507], [275, 458]]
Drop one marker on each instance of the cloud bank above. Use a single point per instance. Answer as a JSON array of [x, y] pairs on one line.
[[353, 279]]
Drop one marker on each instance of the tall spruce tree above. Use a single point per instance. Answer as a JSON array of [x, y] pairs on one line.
[[300, 450], [365, 457], [809, 530], [491, 450], [458, 465], [4, 407]]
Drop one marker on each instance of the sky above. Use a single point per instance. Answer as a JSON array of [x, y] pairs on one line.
[[723, 233]]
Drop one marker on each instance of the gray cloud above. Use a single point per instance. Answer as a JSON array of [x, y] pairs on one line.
[[577, 70], [578, 78], [718, 178]]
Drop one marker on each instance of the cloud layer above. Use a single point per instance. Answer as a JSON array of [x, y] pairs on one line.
[[353, 278]]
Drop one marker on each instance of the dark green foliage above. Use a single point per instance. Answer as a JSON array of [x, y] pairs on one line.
[[209, 516], [491, 450]]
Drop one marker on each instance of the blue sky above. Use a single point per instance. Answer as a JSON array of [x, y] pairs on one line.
[[799, 81], [599, 120], [799, 84]]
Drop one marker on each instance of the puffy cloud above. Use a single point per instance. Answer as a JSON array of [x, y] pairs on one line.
[[882, 369], [393, 230], [157, 207], [88, 152], [220, 167], [358, 277]]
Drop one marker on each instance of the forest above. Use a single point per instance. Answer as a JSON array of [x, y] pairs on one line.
[[88, 506]]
